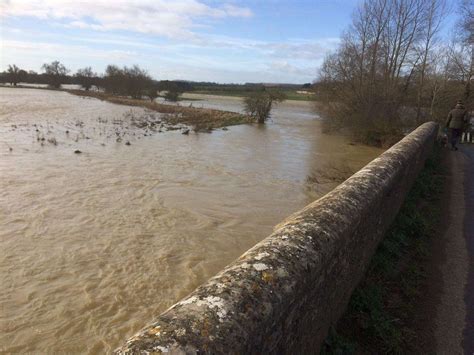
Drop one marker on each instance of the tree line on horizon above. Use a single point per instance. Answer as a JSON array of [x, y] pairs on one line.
[[393, 71], [131, 81], [136, 83]]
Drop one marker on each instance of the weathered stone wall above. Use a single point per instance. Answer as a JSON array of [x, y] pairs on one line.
[[283, 294]]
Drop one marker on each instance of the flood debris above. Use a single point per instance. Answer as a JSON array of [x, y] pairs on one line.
[[201, 119], [127, 127]]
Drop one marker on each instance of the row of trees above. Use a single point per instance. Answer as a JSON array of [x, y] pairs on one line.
[[54, 74], [137, 83], [392, 69], [128, 81]]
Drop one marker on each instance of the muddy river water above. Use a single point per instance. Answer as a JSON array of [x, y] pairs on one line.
[[95, 245]]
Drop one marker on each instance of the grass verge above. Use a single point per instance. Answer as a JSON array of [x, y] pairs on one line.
[[379, 317]]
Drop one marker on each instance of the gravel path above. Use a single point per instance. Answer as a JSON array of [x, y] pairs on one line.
[[468, 342], [454, 323]]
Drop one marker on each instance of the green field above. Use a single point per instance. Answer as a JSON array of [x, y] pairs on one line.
[[243, 90], [290, 94]]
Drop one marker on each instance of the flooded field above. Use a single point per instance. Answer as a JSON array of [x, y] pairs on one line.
[[96, 244]]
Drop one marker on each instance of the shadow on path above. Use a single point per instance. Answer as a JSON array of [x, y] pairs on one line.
[[468, 334], [454, 320]]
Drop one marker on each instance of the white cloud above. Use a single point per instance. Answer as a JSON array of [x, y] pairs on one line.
[[291, 49], [173, 19], [31, 54], [236, 11], [283, 66], [297, 49], [185, 52]]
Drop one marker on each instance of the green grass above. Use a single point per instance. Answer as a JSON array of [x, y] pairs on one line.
[[378, 317], [290, 94]]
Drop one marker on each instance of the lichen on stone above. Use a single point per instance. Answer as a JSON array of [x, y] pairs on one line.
[[284, 294], [260, 267], [261, 256]]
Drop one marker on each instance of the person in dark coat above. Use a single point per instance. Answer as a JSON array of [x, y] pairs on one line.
[[457, 119]]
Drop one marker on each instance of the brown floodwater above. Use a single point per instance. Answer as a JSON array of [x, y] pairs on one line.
[[96, 245]]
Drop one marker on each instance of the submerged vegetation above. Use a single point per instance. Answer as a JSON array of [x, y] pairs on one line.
[[259, 104], [201, 119], [135, 87], [380, 314]]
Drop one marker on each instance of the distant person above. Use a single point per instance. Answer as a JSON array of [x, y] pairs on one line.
[[468, 134], [457, 119]]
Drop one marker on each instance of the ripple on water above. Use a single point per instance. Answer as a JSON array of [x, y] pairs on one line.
[[95, 245]]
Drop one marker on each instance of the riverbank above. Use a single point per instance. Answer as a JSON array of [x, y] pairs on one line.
[[387, 313]]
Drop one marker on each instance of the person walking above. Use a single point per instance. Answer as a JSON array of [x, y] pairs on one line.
[[457, 118], [468, 134]]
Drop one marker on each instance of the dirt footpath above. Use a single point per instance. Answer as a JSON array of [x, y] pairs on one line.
[[454, 314], [468, 341]]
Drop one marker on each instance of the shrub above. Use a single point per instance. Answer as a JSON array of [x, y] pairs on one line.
[[259, 104]]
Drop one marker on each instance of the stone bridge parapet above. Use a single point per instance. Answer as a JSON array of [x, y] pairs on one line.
[[283, 295]]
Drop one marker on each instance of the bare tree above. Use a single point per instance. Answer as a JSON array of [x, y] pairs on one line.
[[132, 81], [114, 79], [259, 104], [437, 82], [14, 74], [368, 82], [172, 91], [151, 92], [137, 81], [55, 73], [435, 9], [86, 77], [462, 49]]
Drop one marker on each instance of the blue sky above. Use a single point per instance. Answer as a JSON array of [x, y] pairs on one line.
[[201, 40]]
